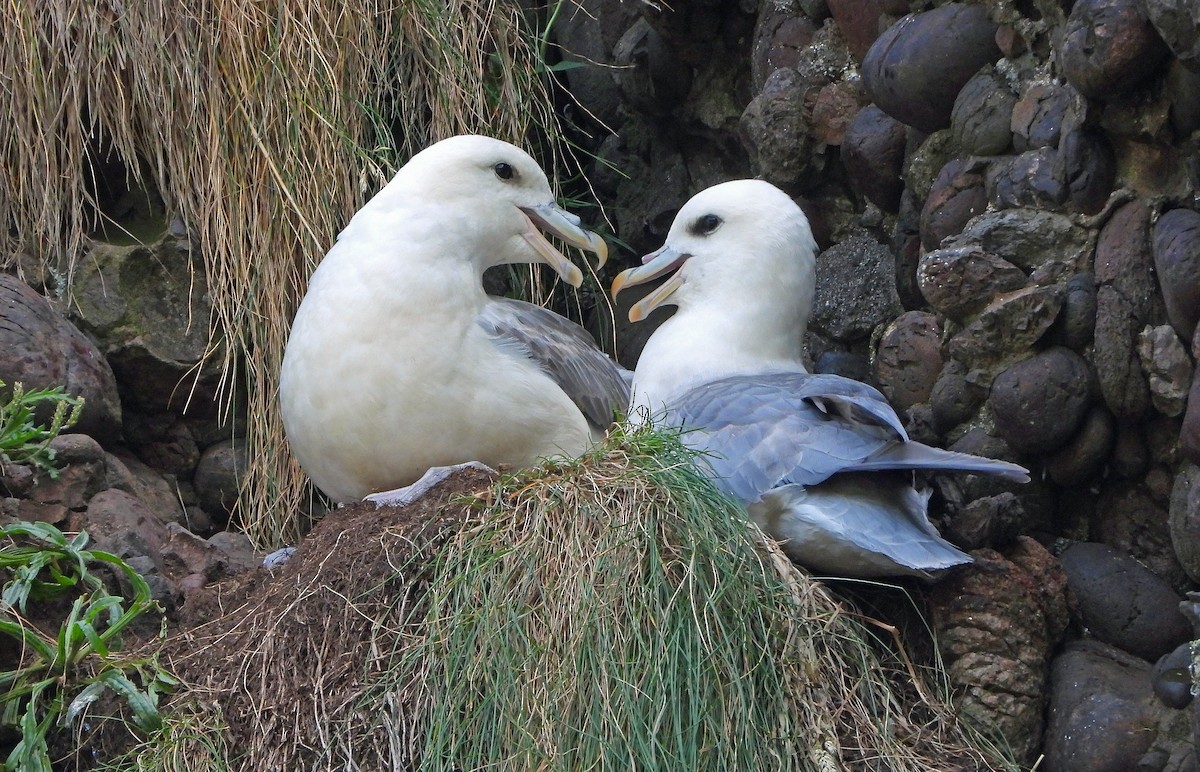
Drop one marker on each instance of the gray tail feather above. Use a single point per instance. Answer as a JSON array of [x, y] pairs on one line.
[[915, 455]]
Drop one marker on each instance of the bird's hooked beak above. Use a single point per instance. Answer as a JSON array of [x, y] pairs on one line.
[[553, 219], [655, 264]]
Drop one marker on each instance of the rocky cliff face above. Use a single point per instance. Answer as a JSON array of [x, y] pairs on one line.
[[1006, 198]]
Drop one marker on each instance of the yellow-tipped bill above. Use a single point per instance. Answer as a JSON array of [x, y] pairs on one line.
[[654, 265], [551, 218]]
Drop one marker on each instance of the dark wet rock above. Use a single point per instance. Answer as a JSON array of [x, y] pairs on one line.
[[856, 289], [1039, 403], [834, 108], [915, 69], [956, 397], [1177, 260], [1185, 519], [1178, 23], [780, 36], [958, 195], [996, 624], [905, 243], [1011, 323], [1030, 238], [776, 126], [909, 359], [1108, 47], [1168, 368], [651, 77], [1127, 301], [924, 159], [847, 364], [1189, 432], [1101, 708], [1181, 89], [1128, 518], [82, 473], [1123, 603], [990, 521], [961, 281], [873, 153], [121, 524], [41, 349], [1088, 167], [1130, 456], [587, 37], [1083, 455], [982, 116], [172, 450], [1172, 677], [125, 472], [147, 306], [861, 21], [1040, 114], [218, 476], [1030, 179], [1076, 323]]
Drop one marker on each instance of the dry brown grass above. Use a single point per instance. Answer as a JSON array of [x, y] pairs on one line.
[[264, 126], [610, 613]]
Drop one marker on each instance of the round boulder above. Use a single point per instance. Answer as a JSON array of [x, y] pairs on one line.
[[909, 359], [1123, 603], [961, 281], [1108, 47], [958, 195], [41, 349], [873, 153], [1100, 710], [982, 114], [1040, 403], [915, 69], [1176, 245], [1075, 462]]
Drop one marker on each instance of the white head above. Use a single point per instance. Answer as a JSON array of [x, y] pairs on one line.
[[493, 187], [744, 240]]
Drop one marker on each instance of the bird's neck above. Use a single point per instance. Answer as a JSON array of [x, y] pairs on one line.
[[707, 342]]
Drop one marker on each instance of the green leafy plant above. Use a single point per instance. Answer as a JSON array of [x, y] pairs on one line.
[[22, 439], [62, 672]]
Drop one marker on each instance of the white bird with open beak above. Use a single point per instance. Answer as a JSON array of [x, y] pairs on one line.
[[399, 363], [822, 462]]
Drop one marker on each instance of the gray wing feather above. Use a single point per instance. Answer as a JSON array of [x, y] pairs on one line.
[[564, 351], [762, 431]]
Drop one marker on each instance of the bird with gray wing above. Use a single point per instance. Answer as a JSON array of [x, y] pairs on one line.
[[399, 367], [822, 462]]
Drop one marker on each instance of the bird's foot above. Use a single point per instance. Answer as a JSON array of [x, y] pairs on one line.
[[402, 497]]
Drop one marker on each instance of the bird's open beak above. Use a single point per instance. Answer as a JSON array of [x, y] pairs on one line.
[[552, 219], [655, 264]]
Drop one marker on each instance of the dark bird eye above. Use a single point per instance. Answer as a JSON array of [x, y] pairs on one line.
[[504, 171], [706, 224]]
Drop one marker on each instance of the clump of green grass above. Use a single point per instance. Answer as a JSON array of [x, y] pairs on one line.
[[616, 612], [22, 438], [63, 671]]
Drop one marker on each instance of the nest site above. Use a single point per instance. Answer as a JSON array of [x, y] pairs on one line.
[[610, 612]]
